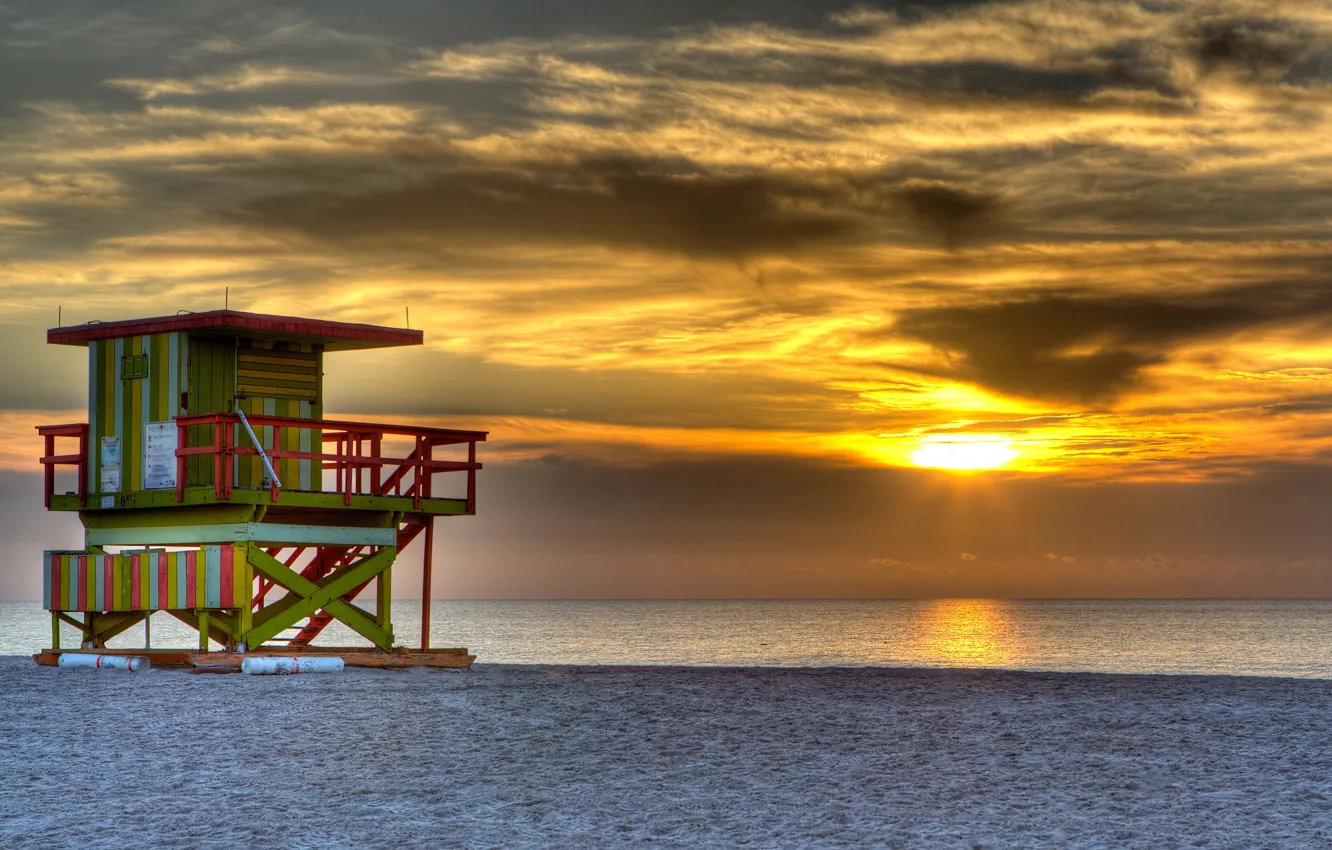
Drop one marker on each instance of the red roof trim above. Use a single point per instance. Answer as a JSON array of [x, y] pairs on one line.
[[335, 334]]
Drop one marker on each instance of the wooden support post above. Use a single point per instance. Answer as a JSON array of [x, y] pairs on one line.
[[148, 630], [384, 599], [427, 567], [244, 622], [55, 630], [48, 468], [203, 629]]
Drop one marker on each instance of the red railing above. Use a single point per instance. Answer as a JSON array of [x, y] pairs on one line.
[[50, 460], [358, 461]]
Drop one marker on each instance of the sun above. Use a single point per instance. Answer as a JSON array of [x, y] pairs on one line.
[[973, 451]]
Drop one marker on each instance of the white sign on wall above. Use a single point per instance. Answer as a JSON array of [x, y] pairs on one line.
[[159, 456], [110, 451], [110, 481]]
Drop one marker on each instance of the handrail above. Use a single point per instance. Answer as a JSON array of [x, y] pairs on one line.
[[50, 460], [268, 465], [339, 424], [350, 460]]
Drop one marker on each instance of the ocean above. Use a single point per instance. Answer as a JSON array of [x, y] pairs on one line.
[[1291, 638]]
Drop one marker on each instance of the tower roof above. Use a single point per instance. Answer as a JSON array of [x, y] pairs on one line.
[[335, 336]]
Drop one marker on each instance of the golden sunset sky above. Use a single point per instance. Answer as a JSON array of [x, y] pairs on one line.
[[724, 280]]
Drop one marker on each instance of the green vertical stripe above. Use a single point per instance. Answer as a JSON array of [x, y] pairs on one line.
[[157, 379], [134, 423], [116, 392], [173, 388], [127, 601], [210, 560], [96, 382]]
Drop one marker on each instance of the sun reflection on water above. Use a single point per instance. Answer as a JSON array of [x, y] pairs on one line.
[[967, 633]]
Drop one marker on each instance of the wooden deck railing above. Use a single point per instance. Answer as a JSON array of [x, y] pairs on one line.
[[50, 460], [357, 460]]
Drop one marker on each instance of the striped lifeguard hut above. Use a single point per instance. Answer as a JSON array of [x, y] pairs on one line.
[[211, 487]]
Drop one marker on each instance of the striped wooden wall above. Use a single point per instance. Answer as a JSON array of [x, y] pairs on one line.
[[214, 577], [121, 406], [206, 375], [212, 368], [278, 378]]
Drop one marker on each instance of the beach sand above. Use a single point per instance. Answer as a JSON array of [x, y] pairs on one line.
[[510, 756]]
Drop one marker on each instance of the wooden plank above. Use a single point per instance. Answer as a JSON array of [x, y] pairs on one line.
[[384, 599], [188, 657], [272, 357], [131, 449], [297, 371], [275, 392], [264, 532], [280, 359], [203, 495], [126, 602], [220, 512], [277, 378], [158, 378]]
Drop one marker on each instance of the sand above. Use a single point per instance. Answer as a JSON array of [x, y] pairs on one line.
[[511, 756]]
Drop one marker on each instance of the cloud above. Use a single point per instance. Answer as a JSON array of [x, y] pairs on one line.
[[950, 212], [1062, 559], [1254, 48], [967, 556], [1088, 347], [620, 202], [895, 564], [703, 217], [244, 78]]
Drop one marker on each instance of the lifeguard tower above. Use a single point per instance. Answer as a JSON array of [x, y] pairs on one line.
[[211, 487]]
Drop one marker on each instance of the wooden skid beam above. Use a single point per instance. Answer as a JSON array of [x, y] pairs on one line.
[[361, 658], [352, 656]]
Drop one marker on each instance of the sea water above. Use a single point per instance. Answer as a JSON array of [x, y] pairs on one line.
[[1232, 637]]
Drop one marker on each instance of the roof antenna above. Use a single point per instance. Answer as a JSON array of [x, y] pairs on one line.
[[226, 298], [408, 311], [59, 323]]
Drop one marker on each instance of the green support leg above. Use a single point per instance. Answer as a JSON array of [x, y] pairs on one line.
[[384, 599], [55, 630], [203, 629]]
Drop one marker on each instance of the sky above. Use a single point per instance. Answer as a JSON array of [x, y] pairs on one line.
[[733, 285]]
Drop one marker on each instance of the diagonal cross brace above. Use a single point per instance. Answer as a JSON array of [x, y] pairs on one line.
[[306, 597]]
